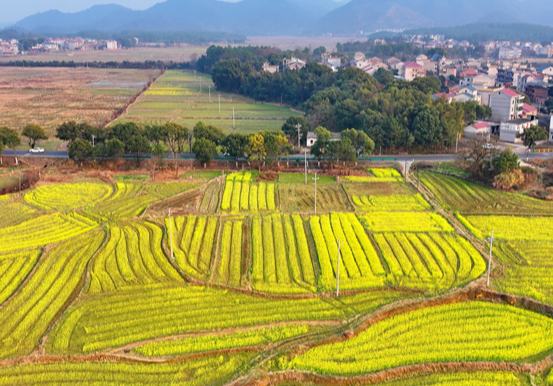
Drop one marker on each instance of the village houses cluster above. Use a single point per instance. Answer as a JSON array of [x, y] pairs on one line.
[[504, 80], [49, 45]]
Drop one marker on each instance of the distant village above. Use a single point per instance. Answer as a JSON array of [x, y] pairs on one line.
[[505, 80], [516, 88], [13, 47]]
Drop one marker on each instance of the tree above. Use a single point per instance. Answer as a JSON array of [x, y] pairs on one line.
[[384, 77], [138, 145], [8, 138], [256, 150], [505, 162], [215, 135], [276, 144], [428, 85], [34, 133], [321, 148], [155, 133], [127, 133], [80, 150], [478, 159], [361, 142], [235, 145], [69, 131], [426, 126], [509, 180], [533, 135], [290, 129], [204, 150], [342, 150], [112, 148], [175, 137]]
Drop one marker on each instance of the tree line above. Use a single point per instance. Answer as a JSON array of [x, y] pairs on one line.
[[396, 114], [206, 142]]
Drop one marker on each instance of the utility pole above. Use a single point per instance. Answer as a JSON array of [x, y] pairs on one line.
[[298, 127], [457, 143], [305, 166], [338, 270], [233, 119], [170, 234], [219, 103], [209, 88], [316, 178], [490, 259]]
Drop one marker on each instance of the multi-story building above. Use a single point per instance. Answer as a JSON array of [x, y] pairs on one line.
[[112, 45], [293, 64], [510, 53], [505, 76], [9, 47], [537, 94], [506, 105], [270, 68], [412, 70], [512, 131]]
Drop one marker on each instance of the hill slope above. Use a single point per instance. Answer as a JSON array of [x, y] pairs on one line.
[[247, 17], [372, 15]]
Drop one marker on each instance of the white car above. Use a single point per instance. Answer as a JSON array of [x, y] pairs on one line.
[[488, 146], [36, 150]]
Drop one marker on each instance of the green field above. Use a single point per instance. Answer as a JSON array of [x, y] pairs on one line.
[[246, 280], [186, 98]]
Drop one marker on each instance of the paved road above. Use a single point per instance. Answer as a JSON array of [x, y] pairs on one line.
[[298, 157]]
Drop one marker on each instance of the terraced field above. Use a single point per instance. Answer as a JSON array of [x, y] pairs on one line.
[[212, 280], [472, 198], [467, 332], [186, 98]]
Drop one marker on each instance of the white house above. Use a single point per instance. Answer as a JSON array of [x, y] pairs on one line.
[[311, 139], [270, 68], [294, 64], [511, 131], [548, 71], [506, 105], [551, 129], [412, 71], [480, 129]]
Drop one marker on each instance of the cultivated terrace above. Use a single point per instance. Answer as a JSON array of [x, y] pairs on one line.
[[248, 277]]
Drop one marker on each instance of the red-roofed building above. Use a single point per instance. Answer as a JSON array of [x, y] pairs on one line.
[[412, 71], [529, 111], [481, 129]]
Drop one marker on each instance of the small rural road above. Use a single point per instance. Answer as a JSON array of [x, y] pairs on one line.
[[297, 157]]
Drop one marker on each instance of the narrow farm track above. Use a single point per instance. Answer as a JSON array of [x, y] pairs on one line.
[[459, 228]]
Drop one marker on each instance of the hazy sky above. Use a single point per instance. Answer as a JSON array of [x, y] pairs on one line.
[[14, 10]]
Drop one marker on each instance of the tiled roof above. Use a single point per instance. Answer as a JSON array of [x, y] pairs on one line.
[[510, 92]]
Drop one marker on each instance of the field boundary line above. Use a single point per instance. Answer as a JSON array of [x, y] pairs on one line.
[[358, 324], [125, 109], [77, 293]]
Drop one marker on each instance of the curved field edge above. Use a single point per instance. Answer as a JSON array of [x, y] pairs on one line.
[[472, 331], [113, 371], [97, 323], [454, 374]]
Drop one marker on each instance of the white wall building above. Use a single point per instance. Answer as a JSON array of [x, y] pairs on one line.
[[506, 105], [551, 129], [511, 131]]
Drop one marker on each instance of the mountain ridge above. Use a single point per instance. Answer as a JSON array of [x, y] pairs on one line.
[[291, 17]]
